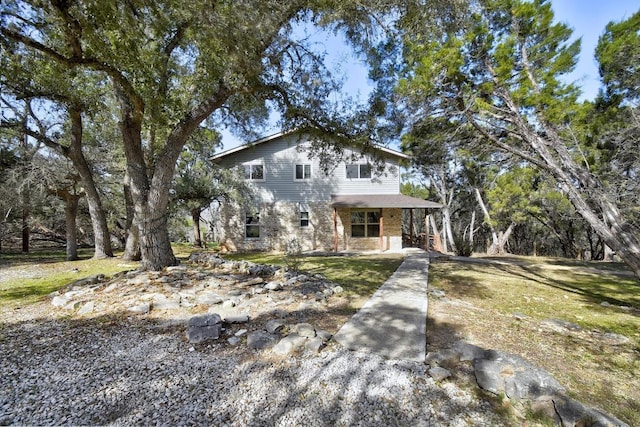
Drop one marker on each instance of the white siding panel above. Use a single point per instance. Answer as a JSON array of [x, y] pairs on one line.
[[280, 156]]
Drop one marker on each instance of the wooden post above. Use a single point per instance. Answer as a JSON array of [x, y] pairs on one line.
[[411, 227], [381, 231], [335, 229]]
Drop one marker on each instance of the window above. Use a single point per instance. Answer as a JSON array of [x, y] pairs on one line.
[[252, 225], [359, 171], [303, 172], [304, 219], [365, 223], [254, 171]]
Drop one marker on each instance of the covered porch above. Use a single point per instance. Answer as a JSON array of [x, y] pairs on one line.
[[373, 221]]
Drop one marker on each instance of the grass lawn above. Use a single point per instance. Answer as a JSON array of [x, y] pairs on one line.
[[485, 298]]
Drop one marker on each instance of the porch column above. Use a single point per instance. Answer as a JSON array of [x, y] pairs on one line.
[[335, 229], [381, 231], [411, 227]]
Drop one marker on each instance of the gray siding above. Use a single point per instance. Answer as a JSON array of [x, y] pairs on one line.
[[279, 158]]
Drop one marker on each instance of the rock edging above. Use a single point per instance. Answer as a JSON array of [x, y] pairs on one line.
[[512, 376]]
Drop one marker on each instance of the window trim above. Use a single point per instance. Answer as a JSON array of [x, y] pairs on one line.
[[359, 165], [307, 219], [250, 165], [295, 171], [258, 224], [366, 223]]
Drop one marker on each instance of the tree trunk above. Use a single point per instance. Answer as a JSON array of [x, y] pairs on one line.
[[71, 213], [101, 235], [26, 201], [197, 237], [132, 245]]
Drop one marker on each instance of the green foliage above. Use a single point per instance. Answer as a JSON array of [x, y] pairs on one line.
[[618, 55]]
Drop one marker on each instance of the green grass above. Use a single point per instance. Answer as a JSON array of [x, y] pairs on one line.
[[595, 372], [359, 275], [43, 272]]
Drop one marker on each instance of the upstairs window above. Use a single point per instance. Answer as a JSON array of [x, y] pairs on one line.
[[303, 172], [359, 171], [365, 223], [254, 171], [304, 219], [252, 225]]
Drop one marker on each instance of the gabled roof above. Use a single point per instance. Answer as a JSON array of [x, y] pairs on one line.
[[279, 135], [381, 201]]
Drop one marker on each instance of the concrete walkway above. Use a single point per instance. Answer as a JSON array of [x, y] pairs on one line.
[[393, 322]]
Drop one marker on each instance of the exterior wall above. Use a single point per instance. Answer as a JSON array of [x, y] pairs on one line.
[[279, 223], [279, 158], [392, 232]]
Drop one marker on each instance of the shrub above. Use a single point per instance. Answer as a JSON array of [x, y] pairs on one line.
[[293, 254]]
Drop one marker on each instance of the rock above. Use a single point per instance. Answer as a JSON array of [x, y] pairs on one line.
[[305, 330], [436, 293], [241, 332], [60, 301], [112, 287], [228, 304], [141, 279], [143, 308], [236, 318], [324, 335], [314, 344], [209, 298], [615, 339], [251, 282], [273, 286], [574, 413], [446, 357], [514, 376], [468, 352], [161, 302], [204, 328], [337, 289], [274, 326], [259, 340], [605, 304], [560, 326], [86, 308], [519, 316], [438, 374], [289, 344], [234, 340]]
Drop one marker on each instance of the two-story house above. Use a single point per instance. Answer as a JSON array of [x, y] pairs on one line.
[[354, 206]]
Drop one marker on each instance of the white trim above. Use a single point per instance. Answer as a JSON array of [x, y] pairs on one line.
[[296, 164], [255, 163]]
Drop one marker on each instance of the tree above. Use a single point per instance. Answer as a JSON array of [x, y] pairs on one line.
[[172, 65], [496, 66]]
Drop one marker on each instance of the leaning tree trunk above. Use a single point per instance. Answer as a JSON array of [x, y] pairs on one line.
[[101, 235], [132, 245], [71, 213]]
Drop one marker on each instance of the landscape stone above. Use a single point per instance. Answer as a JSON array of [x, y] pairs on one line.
[[273, 286], [87, 308], [204, 328], [274, 326], [259, 340], [574, 413], [468, 352], [241, 332], [209, 298], [140, 308], [60, 301], [228, 304], [561, 326], [446, 357], [324, 335], [337, 289], [438, 374], [289, 344], [615, 339], [314, 344], [234, 340], [515, 377], [305, 330], [236, 318]]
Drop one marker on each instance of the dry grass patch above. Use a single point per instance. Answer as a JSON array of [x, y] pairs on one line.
[[507, 303]]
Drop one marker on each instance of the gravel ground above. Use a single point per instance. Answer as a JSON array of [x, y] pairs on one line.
[[134, 372], [114, 368]]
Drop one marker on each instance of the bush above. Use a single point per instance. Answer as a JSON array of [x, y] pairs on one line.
[[293, 254], [463, 246]]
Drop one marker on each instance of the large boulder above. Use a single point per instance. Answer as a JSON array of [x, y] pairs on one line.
[[515, 377], [204, 328]]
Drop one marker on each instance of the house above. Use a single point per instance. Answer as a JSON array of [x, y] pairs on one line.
[[355, 205]]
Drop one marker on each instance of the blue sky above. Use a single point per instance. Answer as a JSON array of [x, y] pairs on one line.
[[587, 18]]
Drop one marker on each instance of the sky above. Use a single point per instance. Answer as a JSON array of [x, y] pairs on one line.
[[587, 18]]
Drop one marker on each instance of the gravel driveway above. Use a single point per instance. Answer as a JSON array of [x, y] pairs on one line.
[[59, 368]]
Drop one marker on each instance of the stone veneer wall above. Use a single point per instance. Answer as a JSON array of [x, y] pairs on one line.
[[280, 222]]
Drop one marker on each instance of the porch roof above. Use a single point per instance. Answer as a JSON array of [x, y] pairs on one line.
[[381, 201]]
